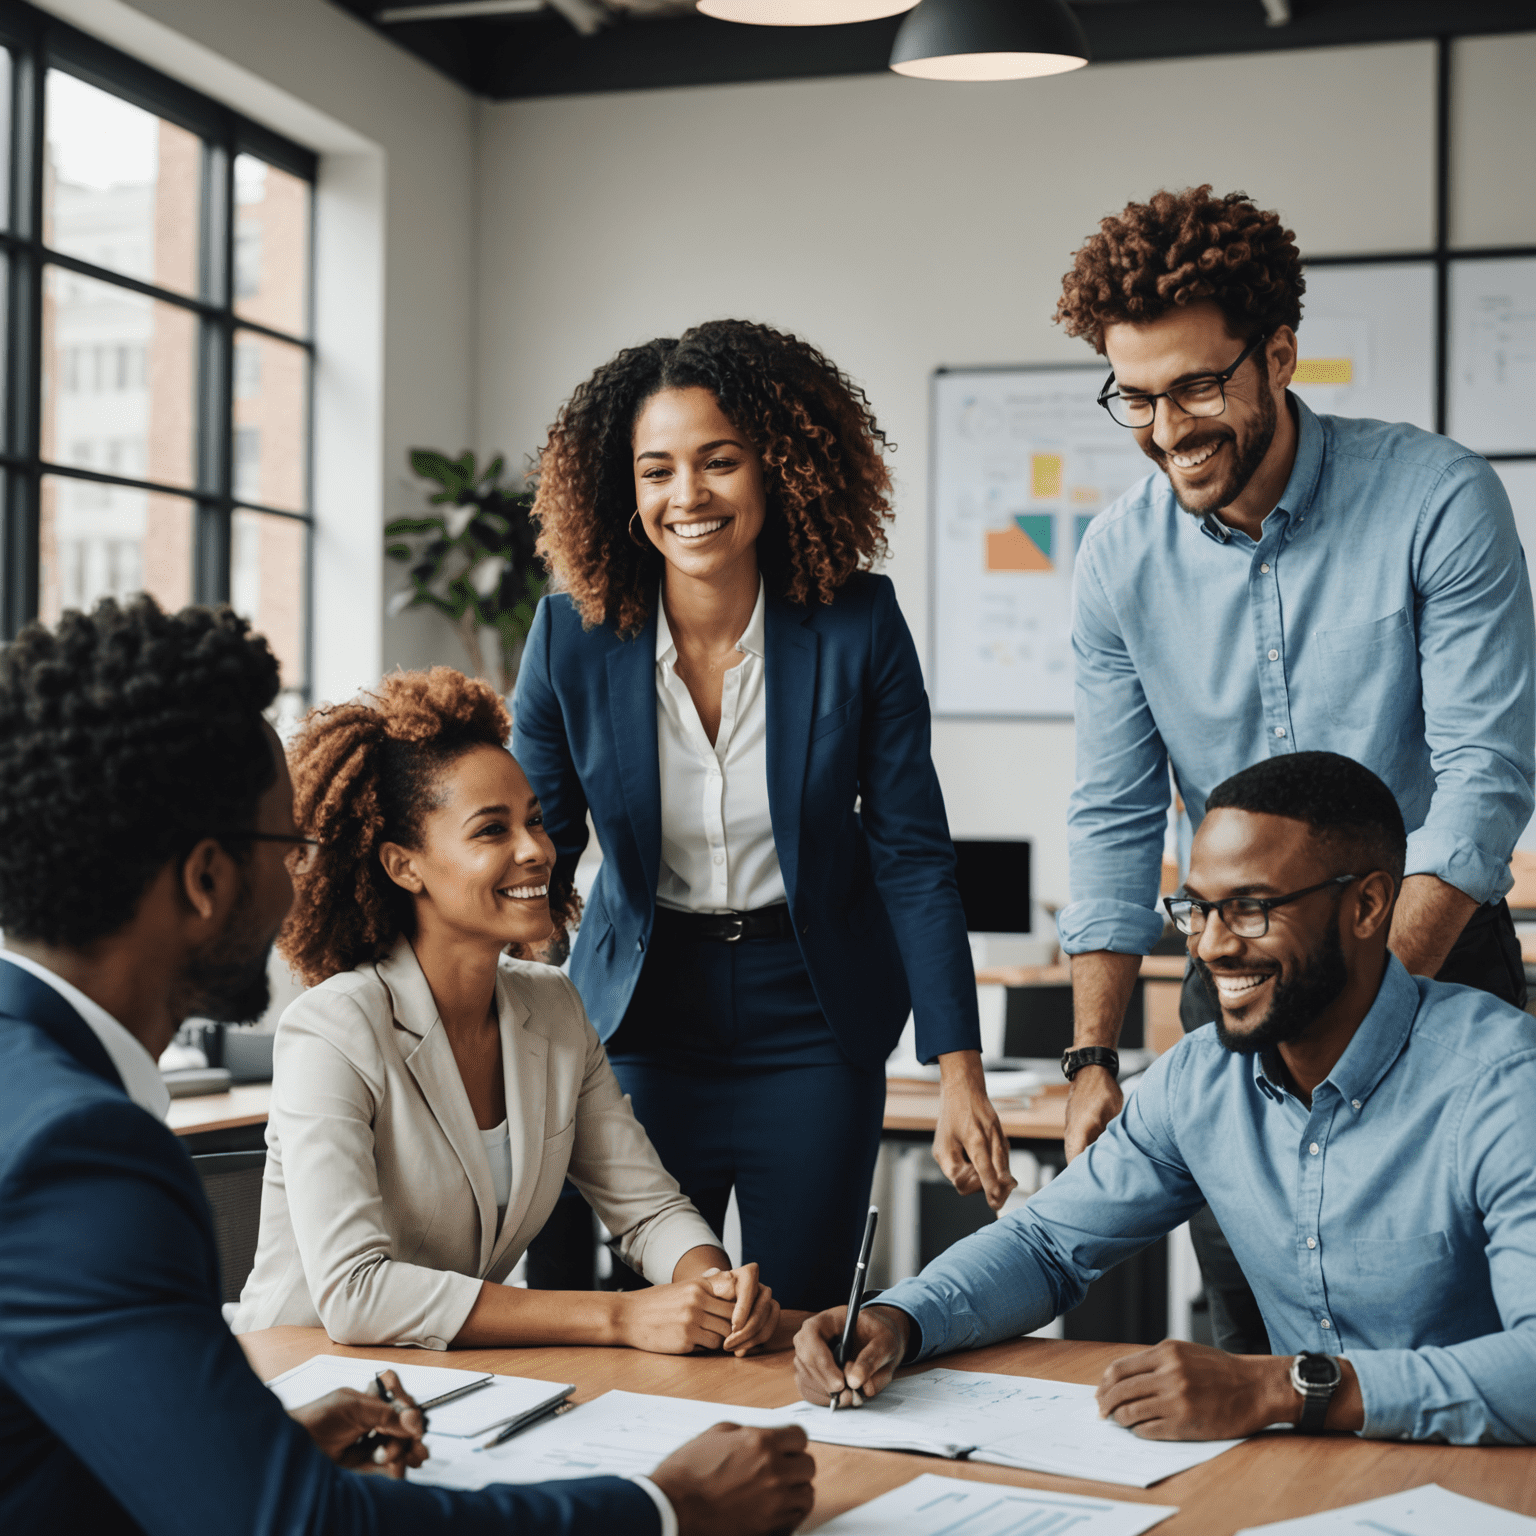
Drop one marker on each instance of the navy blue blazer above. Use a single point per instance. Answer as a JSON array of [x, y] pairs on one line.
[[858, 819], [125, 1403]]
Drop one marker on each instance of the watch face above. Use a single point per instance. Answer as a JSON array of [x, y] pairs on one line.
[[1318, 1370]]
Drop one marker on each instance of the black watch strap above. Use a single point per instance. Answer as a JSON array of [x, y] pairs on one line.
[[1073, 1062]]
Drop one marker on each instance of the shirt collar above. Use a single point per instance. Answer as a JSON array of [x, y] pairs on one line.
[[1296, 499], [751, 643], [1377, 1043], [141, 1077]]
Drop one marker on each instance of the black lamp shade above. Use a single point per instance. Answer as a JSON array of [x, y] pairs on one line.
[[989, 40]]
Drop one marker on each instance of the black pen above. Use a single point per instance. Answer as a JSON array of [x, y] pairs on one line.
[[377, 1388], [855, 1298], [518, 1425]]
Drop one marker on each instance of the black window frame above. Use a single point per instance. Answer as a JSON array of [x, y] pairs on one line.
[[38, 42]]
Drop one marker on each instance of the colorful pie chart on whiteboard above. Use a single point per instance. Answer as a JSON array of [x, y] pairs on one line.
[[1024, 545]]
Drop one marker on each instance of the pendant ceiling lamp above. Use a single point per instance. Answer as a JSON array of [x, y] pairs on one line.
[[989, 40], [802, 13]]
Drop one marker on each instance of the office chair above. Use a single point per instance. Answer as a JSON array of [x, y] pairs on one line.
[[232, 1182]]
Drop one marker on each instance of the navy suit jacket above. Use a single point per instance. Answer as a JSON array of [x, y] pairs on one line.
[[125, 1403], [872, 889]]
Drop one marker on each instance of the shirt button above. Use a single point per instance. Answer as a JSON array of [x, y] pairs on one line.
[[1311, 1242], [1314, 1149], [1354, 1103], [1274, 655], [1279, 730], [1326, 1323], [1265, 569], [720, 859]]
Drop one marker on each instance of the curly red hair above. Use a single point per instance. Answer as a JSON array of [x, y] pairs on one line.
[[1180, 248], [828, 488], [365, 774]]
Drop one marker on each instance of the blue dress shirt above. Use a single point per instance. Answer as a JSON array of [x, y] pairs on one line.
[[1385, 613], [1393, 1222]]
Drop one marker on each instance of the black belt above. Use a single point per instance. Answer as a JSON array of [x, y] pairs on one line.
[[727, 927]]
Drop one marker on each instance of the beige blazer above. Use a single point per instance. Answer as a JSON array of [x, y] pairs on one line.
[[378, 1214]]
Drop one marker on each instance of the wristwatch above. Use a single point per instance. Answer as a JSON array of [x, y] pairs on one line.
[[1073, 1062], [1316, 1379]]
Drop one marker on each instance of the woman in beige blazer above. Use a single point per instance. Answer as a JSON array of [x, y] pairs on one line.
[[430, 1093]]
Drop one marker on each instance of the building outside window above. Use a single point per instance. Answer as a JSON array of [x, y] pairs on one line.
[[156, 251]]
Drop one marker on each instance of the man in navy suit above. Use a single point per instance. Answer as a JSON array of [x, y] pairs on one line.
[[145, 820]]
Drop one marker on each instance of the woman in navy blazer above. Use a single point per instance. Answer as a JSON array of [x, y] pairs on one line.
[[739, 706]]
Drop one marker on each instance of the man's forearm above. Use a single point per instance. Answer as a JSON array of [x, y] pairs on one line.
[[1102, 983], [1428, 920]]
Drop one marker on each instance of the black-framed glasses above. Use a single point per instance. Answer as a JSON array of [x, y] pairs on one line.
[[1245, 916], [1203, 396], [265, 837]]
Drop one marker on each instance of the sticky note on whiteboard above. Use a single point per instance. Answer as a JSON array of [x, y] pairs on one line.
[[1324, 370], [1045, 476]]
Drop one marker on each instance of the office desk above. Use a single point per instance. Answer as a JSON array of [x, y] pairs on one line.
[[234, 1121], [1275, 1477], [912, 1114]]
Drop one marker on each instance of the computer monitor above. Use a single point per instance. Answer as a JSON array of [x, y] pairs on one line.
[[994, 884]]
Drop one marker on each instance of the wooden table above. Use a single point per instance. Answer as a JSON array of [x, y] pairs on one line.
[[242, 1106], [912, 1111], [1274, 1477]]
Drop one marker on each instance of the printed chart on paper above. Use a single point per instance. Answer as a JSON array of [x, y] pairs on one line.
[[1023, 460]]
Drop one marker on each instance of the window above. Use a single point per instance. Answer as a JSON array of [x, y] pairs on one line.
[[155, 279]]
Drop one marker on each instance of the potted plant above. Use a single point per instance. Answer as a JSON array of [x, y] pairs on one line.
[[474, 561]]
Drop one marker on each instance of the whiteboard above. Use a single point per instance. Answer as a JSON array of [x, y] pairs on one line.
[[1366, 343], [1022, 460], [1492, 384]]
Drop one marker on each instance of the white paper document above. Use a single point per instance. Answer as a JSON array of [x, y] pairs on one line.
[[618, 1434], [1427, 1511], [946, 1506], [1009, 1421], [498, 1402]]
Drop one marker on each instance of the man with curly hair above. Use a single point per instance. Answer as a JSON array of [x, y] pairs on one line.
[[1289, 581], [145, 815]]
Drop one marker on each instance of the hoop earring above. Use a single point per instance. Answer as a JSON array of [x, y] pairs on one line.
[[638, 543]]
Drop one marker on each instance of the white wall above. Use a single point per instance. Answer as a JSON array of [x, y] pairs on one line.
[[902, 225], [395, 218]]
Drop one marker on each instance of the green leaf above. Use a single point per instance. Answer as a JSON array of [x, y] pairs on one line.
[[404, 525], [431, 465]]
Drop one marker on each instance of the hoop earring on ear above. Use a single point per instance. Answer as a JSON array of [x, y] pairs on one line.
[[638, 543]]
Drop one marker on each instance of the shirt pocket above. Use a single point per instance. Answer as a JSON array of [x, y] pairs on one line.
[[1365, 669], [1413, 1275]]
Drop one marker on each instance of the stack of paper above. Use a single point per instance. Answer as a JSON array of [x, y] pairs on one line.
[[1427, 1511], [618, 1434], [496, 1401], [1010, 1421], [945, 1506]]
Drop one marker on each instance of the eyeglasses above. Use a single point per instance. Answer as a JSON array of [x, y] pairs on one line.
[[1247, 917], [265, 837], [1204, 396]]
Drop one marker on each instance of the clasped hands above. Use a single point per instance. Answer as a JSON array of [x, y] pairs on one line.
[[727, 1309], [1173, 1391]]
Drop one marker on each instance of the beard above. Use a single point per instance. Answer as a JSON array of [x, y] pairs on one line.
[[1298, 1001], [1247, 455], [227, 982]]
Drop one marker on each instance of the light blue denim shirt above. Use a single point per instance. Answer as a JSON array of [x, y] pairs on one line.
[[1393, 1223], [1384, 614]]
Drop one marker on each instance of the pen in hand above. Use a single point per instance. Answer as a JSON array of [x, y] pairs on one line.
[[844, 1351]]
